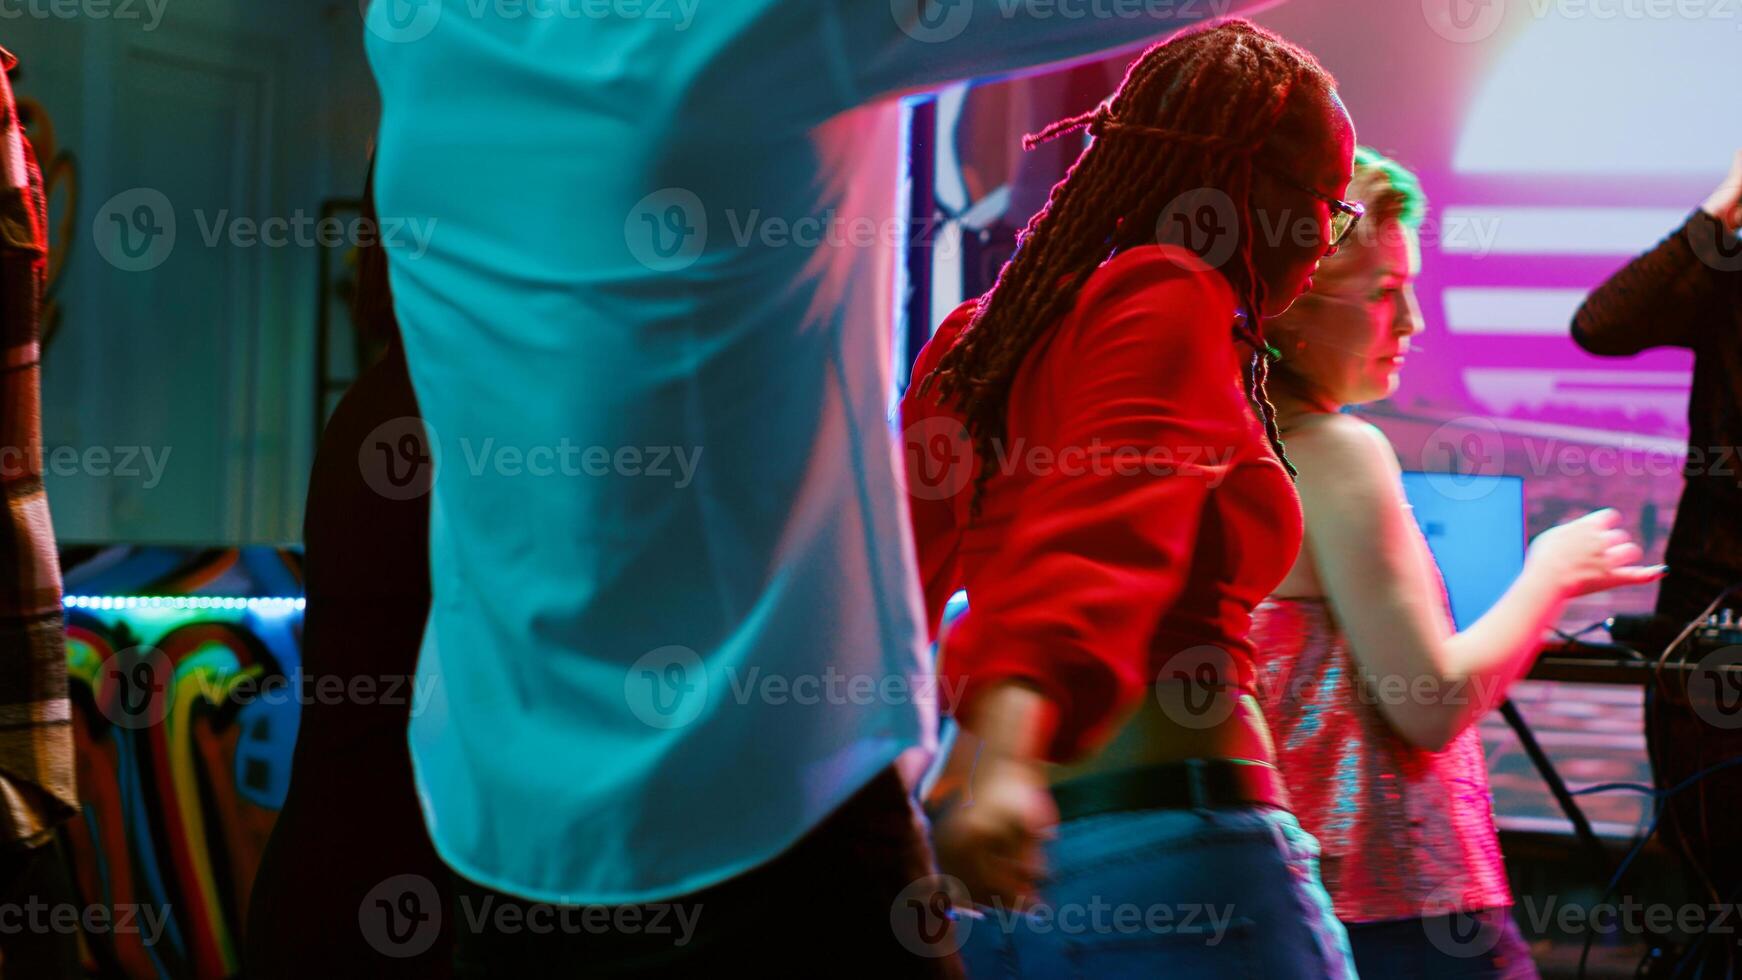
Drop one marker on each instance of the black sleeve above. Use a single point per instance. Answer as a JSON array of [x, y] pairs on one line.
[[1668, 297]]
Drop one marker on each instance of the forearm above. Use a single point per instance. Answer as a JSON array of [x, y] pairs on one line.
[[1478, 666], [943, 41], [1011, 720], [1008, 727], [1659, 298]]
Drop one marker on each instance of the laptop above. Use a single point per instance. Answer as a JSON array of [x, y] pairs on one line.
[[1474, 525]]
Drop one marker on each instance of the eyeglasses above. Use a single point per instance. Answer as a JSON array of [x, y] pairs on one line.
[[1344, 214]]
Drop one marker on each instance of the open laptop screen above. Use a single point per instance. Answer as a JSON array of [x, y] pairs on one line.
[[1475, 528]]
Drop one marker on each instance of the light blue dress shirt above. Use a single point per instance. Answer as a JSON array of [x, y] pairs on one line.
[[675, 616]]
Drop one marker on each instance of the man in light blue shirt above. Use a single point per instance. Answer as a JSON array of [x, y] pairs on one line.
[[675, 623]]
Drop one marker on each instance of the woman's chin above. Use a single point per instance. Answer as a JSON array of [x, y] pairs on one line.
[[1300, 287], [1273, 310], [1381, 388]]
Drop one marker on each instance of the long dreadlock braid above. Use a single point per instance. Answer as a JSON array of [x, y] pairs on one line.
[[1192, 113]]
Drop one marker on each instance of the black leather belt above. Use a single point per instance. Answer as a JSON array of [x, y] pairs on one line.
[[1195, 784]]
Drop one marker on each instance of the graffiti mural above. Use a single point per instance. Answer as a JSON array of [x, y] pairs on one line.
[[185, 721]]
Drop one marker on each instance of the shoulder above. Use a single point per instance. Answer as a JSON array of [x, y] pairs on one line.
[[942, 340], [1158, 305], [1342, 456], [947, 332], [1339, 433], [1163, 274]]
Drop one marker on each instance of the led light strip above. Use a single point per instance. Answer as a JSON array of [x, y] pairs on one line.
[[272, 604]]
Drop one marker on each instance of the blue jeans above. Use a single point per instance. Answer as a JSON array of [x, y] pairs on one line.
[[1219, 894], [1483, 945]]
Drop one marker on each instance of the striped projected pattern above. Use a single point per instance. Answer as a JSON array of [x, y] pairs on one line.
[[1587, 141]]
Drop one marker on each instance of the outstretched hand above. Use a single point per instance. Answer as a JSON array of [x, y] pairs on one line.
[[1591, 554]]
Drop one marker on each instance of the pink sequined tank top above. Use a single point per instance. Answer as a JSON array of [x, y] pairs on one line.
[[1404, 832]]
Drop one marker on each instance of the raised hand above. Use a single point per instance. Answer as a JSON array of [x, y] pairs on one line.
[[1725, 203]]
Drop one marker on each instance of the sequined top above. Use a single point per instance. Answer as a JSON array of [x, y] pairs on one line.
[[1404, 832]]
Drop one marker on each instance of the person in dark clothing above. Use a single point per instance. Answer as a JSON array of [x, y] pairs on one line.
[[1687, 292], [350, 884]]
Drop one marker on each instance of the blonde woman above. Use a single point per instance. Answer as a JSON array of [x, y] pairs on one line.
[[1395, 788]]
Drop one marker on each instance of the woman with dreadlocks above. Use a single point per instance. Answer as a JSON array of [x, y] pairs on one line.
[[1118, 504]]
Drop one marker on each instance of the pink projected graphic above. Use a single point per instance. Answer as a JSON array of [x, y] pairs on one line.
[[1583, 142]]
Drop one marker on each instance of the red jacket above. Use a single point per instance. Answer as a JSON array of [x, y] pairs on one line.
[[1137, 511]]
